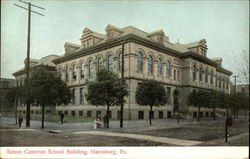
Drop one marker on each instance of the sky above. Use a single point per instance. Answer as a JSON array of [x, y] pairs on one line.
[[224, 25]]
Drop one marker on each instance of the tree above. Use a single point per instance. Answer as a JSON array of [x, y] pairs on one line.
[[150, 93], [242, 66], [106, 90], [213, 102], [199, 99], [46, 88]]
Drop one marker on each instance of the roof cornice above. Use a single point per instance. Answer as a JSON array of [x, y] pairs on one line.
[[116, 42], [139, 40]]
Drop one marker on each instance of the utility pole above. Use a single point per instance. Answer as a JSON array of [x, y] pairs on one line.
[[235, 83], [122, 78], [27, 66]]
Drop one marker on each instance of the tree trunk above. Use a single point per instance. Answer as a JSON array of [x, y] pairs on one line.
[[178, 120], [199, 108], [237, 113], [107, 116], [245, 112], [214, 113], [43, 116], [16, 111], [150, 115]]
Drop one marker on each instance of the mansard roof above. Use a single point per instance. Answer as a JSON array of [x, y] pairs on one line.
[[132, 34]]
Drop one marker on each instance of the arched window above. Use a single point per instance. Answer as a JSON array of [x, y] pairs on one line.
[[206, 75], [120, 62], [200, 74], [82, 70], [150, 64], [159, 65], [100, 63], [139, 62], [168, 69], [194, 72], [110, 62], [74, 72], [90, 68], [67, 73], [212, 77]]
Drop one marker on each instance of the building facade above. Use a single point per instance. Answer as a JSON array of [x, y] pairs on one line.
[[180, 68], [5, 85]]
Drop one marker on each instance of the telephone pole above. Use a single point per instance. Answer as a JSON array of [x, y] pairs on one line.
[[235, 83], [122, 78], [27, 64]]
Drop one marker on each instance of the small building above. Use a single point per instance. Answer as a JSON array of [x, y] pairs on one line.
[[5, 104]]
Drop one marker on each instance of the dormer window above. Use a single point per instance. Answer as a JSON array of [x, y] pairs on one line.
[[157, 36], [112, 31]]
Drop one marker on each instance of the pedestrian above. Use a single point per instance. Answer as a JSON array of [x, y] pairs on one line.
[[20, 120], [61, 117]]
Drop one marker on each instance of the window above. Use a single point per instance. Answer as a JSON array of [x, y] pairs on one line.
[[201, 114], [174, 74], [139, 62], [100, 63], [98, 114], [73, 96], [159, 65], [82, 70], [150, 64], [169, 114], [120, 62], [194, 114], [89, 113], [74, 72], [160, 114], [178, 75], [81, 96], [212, 77], [141, 115], [206, 75], [80, 113], [73, 113], [110, 62], [168, 69], [200, 74], [118, 114], [227, 84], [194, 72], [66, 112], [67, 73], [207, 114], [90, 68]]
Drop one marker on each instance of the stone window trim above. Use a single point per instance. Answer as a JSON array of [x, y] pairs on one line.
[[150, 65], [139, 61], [159, 66], [110, 62]]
